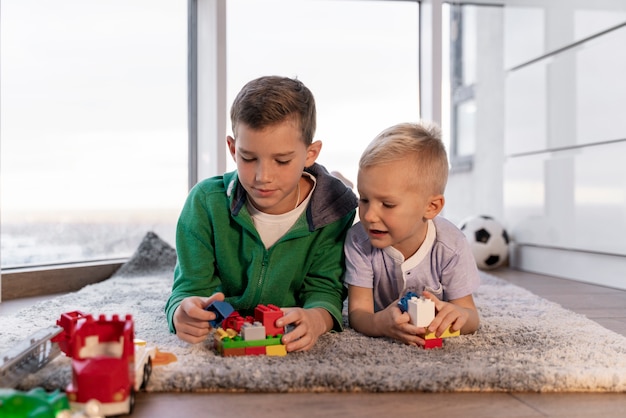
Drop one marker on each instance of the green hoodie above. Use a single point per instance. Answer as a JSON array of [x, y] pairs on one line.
[[219, 249]]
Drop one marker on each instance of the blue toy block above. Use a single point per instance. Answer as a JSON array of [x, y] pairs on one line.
[[403, 303], [222, 310]]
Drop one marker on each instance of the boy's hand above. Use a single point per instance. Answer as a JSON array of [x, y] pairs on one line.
[[397, 325], [191, 321], [309, 325], [447, 315]]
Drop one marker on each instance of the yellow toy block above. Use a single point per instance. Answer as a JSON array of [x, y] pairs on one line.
[[222, 333], [276, 350], [447, 333]]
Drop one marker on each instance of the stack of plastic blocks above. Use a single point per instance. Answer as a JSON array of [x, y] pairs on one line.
[[251, 336], [422, 312]]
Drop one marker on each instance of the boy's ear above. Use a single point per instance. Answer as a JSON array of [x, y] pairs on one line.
[[230, 142], [312, 152], [434, 206]]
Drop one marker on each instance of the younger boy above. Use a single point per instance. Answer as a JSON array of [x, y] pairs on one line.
[[401, 245], [272, 231]]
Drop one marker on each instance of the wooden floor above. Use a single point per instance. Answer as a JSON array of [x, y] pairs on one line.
[[604, 305]]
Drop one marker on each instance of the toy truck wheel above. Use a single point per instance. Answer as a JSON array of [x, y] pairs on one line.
[[147, 371], [131, 402]]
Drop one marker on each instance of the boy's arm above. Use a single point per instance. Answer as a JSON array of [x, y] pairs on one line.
[[390, 322], [323, 286], [361, 311], [194, 274]]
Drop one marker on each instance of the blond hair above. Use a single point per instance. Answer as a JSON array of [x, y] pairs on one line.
[[421, 142]]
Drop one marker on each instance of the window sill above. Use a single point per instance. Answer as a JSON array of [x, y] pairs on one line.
[[25, 282]]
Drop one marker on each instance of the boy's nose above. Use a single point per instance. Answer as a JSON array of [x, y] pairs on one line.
[[367, 214], [263, 172]]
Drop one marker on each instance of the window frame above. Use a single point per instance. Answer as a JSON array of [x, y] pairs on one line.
[[460, 93]]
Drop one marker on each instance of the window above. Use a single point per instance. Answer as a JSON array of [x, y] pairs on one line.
[[93, 127], [460, 52], [360, 60]]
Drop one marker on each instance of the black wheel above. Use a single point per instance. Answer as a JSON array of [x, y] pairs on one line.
[[147, 372], [131, 401]]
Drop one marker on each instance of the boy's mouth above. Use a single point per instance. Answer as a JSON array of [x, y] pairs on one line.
[[377, 232], [263, 192]]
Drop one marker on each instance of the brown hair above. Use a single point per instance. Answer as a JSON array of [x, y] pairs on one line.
[[420, 142], [269, 100]]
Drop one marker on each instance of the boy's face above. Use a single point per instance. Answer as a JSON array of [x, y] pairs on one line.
[[392, 210], [270, 162]]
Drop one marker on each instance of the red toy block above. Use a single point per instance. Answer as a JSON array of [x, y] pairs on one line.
[[255, 351], [267, 315], [231, 352], [236, 321], [433, 343]]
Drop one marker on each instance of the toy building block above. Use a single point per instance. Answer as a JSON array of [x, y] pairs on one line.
[[433, 343], [236, 321], [403, 302], [239, 336], [276, 350], [108, 364], [221, 333], [421, 311], [267, 315], [269, 340], [256, 351], [35, 402], [233, 352], [222, 310], [251, 332], [446, 334]]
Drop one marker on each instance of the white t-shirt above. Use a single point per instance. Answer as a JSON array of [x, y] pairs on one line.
[[272, 227]]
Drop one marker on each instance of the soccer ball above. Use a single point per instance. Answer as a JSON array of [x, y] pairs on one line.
[[488, 239]]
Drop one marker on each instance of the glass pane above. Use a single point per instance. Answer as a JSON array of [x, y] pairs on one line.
[[549, 198], [466, 128], [93, 127], [572, 98], [532, 31], [360, 60], [471, 77]]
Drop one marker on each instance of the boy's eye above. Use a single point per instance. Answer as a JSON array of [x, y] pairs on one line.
[[247, 159], [283, 162], [363, 201], [389, 205]]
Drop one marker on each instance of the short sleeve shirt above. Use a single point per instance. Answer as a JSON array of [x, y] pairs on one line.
[[443, 265]]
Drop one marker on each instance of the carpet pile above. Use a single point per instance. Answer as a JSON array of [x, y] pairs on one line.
[[524, 343]]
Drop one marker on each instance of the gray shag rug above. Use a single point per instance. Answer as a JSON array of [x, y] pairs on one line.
[[524, 343]]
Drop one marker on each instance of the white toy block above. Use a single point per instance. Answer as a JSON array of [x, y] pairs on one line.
[[252, 332], [421, 311]]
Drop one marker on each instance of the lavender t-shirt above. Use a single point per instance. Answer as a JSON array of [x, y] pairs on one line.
[[443, 265]]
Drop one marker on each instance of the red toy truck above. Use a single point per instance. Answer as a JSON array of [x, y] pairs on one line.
[[108, 366]]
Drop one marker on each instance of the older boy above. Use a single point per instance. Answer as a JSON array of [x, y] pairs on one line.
[[401, 245], [272, 231]]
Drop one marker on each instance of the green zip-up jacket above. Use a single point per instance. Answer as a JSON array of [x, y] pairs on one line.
[[219, 249]]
